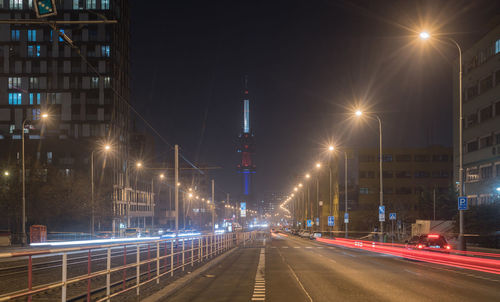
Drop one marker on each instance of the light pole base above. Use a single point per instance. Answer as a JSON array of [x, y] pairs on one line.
[[461, 244]]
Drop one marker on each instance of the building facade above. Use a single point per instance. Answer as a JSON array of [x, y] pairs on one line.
[[481, 119], [407, 174], [86, 99]]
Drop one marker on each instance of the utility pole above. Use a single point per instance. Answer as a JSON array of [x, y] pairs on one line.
[[213, 206], [92, 218], [434, 202], [176, 185], [345, 191]]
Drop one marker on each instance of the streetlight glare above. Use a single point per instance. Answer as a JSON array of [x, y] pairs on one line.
[[295, 189], [6, 173], [307, 175], [139, 164], [45, 115], [300, 185], [318, 165], [424, 35], [331, 148], [190, 195], [107, 147], [162, 176], [359, 113]]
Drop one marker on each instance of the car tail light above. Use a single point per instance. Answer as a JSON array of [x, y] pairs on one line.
[[433, 236], [420, 246], [448, 247]]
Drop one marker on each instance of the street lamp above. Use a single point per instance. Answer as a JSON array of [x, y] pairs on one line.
[[23, 236], [6, 173], [425, 36], [359, 113], [106, 148]]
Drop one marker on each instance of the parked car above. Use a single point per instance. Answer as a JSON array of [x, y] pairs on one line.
[[132, 232]]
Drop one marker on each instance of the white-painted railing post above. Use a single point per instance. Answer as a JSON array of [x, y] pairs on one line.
[[192, 251], [108, 274], [64, 276], [138, 269], [183, 240], [158, 262], [171, 258]]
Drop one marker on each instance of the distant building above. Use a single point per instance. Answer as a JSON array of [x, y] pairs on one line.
[[407, 174], [271, 202], [481, 114]]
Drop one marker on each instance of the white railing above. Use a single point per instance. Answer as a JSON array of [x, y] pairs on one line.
[[109, 266]]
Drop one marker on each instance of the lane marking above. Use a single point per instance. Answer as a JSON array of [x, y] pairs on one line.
[[259, 289], [295, 276]]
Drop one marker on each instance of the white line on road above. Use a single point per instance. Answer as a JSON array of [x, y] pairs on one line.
[[259, 290], [295, 276]]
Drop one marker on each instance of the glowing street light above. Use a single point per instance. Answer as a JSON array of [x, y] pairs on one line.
[[331, 148], [308, 175], [138, 164], [190, 195], [6, 173], [424, 35], [300, 185], [295, 189], [45, 116], [358, 113], [162, 176], [318, 165], [107, 147]]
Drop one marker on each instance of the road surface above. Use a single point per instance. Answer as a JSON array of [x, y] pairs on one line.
[[297, 269]]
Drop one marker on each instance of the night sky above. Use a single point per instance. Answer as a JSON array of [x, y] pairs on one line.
[[308, 63]]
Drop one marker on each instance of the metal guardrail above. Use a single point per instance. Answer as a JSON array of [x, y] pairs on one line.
[[187, 250]]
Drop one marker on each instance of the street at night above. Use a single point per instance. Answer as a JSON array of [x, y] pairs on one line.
[[264, 150]]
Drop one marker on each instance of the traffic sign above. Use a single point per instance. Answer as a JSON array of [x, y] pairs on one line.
[[381, 213], [45, 8], [331, 220], [392, 216], [317, 221], [243, 209], [463, 203], [309, 223], [346, 218]]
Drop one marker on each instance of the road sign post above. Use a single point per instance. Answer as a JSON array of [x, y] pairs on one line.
[[331, 221]]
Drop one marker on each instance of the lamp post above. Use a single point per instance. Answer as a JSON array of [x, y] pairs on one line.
[[359, 113], [92, 202], [318, 166], [23, 228], [425, 36]]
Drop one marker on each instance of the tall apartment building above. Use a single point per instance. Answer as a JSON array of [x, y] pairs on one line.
[[407, 173], [39, 72], [481, 113]]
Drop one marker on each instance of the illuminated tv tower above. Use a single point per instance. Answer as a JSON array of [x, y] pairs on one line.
[[246, 146]]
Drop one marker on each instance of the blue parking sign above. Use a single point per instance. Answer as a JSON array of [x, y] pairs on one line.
[[392, 216], [331, 220], [309, 223], [462, 203], [346, 218]]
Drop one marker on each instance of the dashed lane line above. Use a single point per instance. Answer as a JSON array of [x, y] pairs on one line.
[[259, 290], [295, 276]]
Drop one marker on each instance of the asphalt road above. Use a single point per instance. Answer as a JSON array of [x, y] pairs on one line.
[[302, 270]]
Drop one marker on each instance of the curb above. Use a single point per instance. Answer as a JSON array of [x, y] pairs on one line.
[[183, 281]]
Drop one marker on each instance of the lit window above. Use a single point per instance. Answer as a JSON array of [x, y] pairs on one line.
[[16, 4], [497, 46], [32, 35], [15, 99], [91, 4], [14, 34], [107, 82], [34, 97], [35, 114], [49, 157], [104, 4], [11, 130], [105, 51], [14, 83], [77, 4], [60, 38], [34, 83], [94, 82], [33, 50]]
